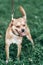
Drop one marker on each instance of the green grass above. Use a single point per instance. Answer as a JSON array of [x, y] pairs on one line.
[[34, 11]]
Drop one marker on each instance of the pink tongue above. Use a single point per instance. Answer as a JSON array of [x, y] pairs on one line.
[[22, 34]]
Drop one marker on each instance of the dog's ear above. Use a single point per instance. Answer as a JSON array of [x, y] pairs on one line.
[[11, 25], [23, 12], [24, 17], [12, 21]]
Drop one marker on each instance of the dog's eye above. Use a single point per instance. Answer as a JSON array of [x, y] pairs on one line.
[[18, 26], [23, 25]]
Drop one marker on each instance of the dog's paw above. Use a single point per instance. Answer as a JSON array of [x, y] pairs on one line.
[[9, 60], [6, 61]]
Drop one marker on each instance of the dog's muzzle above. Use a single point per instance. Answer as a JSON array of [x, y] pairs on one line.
[[23, 30], [19, 33]]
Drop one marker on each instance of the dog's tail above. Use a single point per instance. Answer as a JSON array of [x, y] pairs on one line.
[[23, 11]]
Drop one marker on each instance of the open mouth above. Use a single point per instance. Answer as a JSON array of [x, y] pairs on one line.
[[22, 34]]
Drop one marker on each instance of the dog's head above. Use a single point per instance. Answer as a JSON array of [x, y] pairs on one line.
[[19, 25]]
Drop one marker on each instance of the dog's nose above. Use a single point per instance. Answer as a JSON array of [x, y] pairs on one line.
[[23, 30]]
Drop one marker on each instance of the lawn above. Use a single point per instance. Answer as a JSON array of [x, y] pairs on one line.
[[34, 11]]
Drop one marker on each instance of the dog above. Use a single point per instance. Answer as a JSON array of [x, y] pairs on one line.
[[16, 30]]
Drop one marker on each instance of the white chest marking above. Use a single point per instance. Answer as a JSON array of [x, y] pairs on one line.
[[14, 40]]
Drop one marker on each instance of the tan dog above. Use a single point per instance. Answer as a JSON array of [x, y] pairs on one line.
[[15, 32]]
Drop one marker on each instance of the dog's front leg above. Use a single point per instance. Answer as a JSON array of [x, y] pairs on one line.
[[28, 35], [19, 50], [7, 52]]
